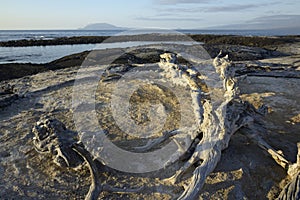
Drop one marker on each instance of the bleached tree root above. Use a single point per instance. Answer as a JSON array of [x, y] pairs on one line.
[[207, 154], [250, 133], [155, 142], [217, 125], [95, 187], [292, 190]]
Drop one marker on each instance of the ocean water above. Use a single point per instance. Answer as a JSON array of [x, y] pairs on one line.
[[6, 35], [43, 54]]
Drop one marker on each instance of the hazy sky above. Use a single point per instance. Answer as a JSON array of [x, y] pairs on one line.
[[72, 14]]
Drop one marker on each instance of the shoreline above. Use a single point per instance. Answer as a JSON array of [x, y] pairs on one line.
[[253, 41], [239, 48]]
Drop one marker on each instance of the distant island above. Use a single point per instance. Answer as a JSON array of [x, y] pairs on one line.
[[102, 26]]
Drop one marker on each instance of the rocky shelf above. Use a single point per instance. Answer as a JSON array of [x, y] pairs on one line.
[[249, 152], [238, 48], [253, 41]]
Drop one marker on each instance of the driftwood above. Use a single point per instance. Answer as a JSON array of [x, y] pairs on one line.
[[254, 136], [216, 125], [95, 187], [52, 137], [152, 143], [292, 190]]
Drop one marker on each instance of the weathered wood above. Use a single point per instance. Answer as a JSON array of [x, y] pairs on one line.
[[52, 137], [294, 169], [217, 126], [292, 190], [155, 142], [253, 135], [95, 187]]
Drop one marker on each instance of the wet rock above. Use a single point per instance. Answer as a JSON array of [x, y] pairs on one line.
[[57, 41]]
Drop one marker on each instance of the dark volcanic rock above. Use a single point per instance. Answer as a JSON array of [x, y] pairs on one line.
[[18, 70], [256, 41], [57, 41], [139, 56], [208, 39], [242, 53], [253, 48]]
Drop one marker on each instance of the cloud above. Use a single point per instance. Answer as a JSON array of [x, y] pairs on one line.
[[207, 9], [213, 9], [167, 19], [233, 8], [267, 22], [280, 21], [174, 2]]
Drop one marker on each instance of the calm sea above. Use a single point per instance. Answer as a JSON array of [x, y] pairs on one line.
[[6, 35], [49, 53]]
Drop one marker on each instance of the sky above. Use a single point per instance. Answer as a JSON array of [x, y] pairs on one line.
[[170, 14]]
